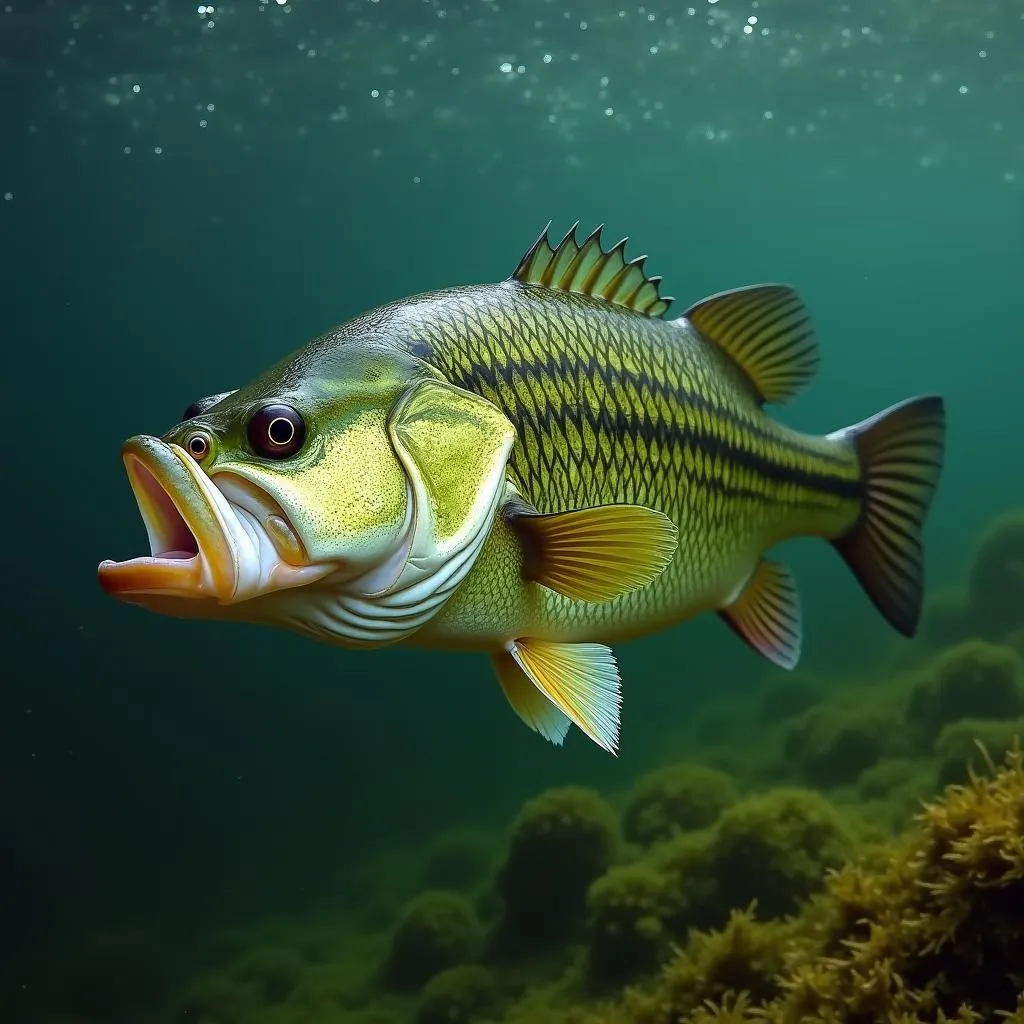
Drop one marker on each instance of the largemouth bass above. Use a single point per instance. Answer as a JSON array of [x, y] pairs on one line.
[[535, 469]]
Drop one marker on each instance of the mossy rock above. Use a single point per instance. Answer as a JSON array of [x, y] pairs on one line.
[[436, 930], [775, 848], [678, 798], [626, 911], [996, 583], [561, 841], [833, 746], [459, 995], [974, 679]]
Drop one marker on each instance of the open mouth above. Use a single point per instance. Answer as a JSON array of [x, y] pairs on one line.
[[227, 541], [188, 521]]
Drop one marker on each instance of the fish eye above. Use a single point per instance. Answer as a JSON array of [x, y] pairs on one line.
[[276, 431], [198, 446]]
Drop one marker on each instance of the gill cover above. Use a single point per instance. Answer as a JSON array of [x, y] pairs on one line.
[[454, 447]]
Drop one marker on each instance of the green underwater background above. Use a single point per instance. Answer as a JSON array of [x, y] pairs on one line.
[[221, 824]]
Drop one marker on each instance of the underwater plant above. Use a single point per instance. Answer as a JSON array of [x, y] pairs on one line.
[[833, 745], [458, 995], [626, 933], [437, 929], [996, 581], [674, 799], [775, 848], [957, 746], [974, 679], [561, 841], [928, 928]]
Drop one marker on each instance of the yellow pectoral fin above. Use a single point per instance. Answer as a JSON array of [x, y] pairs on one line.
[[528, 702], [582, 680], [767, 614], [595, 554]]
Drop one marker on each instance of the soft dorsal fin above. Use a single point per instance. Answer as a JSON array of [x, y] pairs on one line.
[[585, 268], [766, 329]]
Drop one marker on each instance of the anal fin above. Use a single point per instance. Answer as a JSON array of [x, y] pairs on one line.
[[767, 614], [528, 702], [595, 554], [581, 680]]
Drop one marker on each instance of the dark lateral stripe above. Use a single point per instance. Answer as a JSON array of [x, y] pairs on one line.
[[713, 445], [664, 432], [561, 364]]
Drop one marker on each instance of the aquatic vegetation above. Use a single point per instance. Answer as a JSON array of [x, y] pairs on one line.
[[698, 903], [626, 922], [561, 841], [934, 927], [775, 848], [996, 581], [974, 679], [674, 799], [459, 995], [833, 745], [436, 930], [957, 746]]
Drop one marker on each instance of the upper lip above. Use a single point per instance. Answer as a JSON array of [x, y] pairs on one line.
[[191, 549]]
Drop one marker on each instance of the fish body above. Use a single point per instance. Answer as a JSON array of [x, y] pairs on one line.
[[536, 469], [614, 408]]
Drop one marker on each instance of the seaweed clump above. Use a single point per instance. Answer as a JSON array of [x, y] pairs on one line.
[[776, 848], [925, 929], [996, 583], [626, 923], [678, 798], [832, 746], [459, 995], [561, 841], [975, 679], [437, 930]]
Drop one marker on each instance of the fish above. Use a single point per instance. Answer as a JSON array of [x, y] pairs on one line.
[[536, 470]]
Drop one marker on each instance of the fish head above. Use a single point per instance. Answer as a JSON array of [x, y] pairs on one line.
[[345, 496]]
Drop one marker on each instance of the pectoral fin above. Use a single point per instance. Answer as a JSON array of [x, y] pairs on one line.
[[581, 680], [767, 614], [528, 702], [595, 554]]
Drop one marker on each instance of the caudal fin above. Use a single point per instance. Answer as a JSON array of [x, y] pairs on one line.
[[901, 451]]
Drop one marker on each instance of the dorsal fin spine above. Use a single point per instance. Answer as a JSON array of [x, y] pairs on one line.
[[585, 268]]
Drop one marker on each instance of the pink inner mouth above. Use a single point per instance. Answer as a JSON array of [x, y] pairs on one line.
[[169, 534]]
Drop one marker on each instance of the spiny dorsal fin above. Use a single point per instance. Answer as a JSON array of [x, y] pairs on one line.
[[585, 268], [766, 329]]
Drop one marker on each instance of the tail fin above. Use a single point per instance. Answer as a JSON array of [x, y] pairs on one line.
[[900, 451]]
